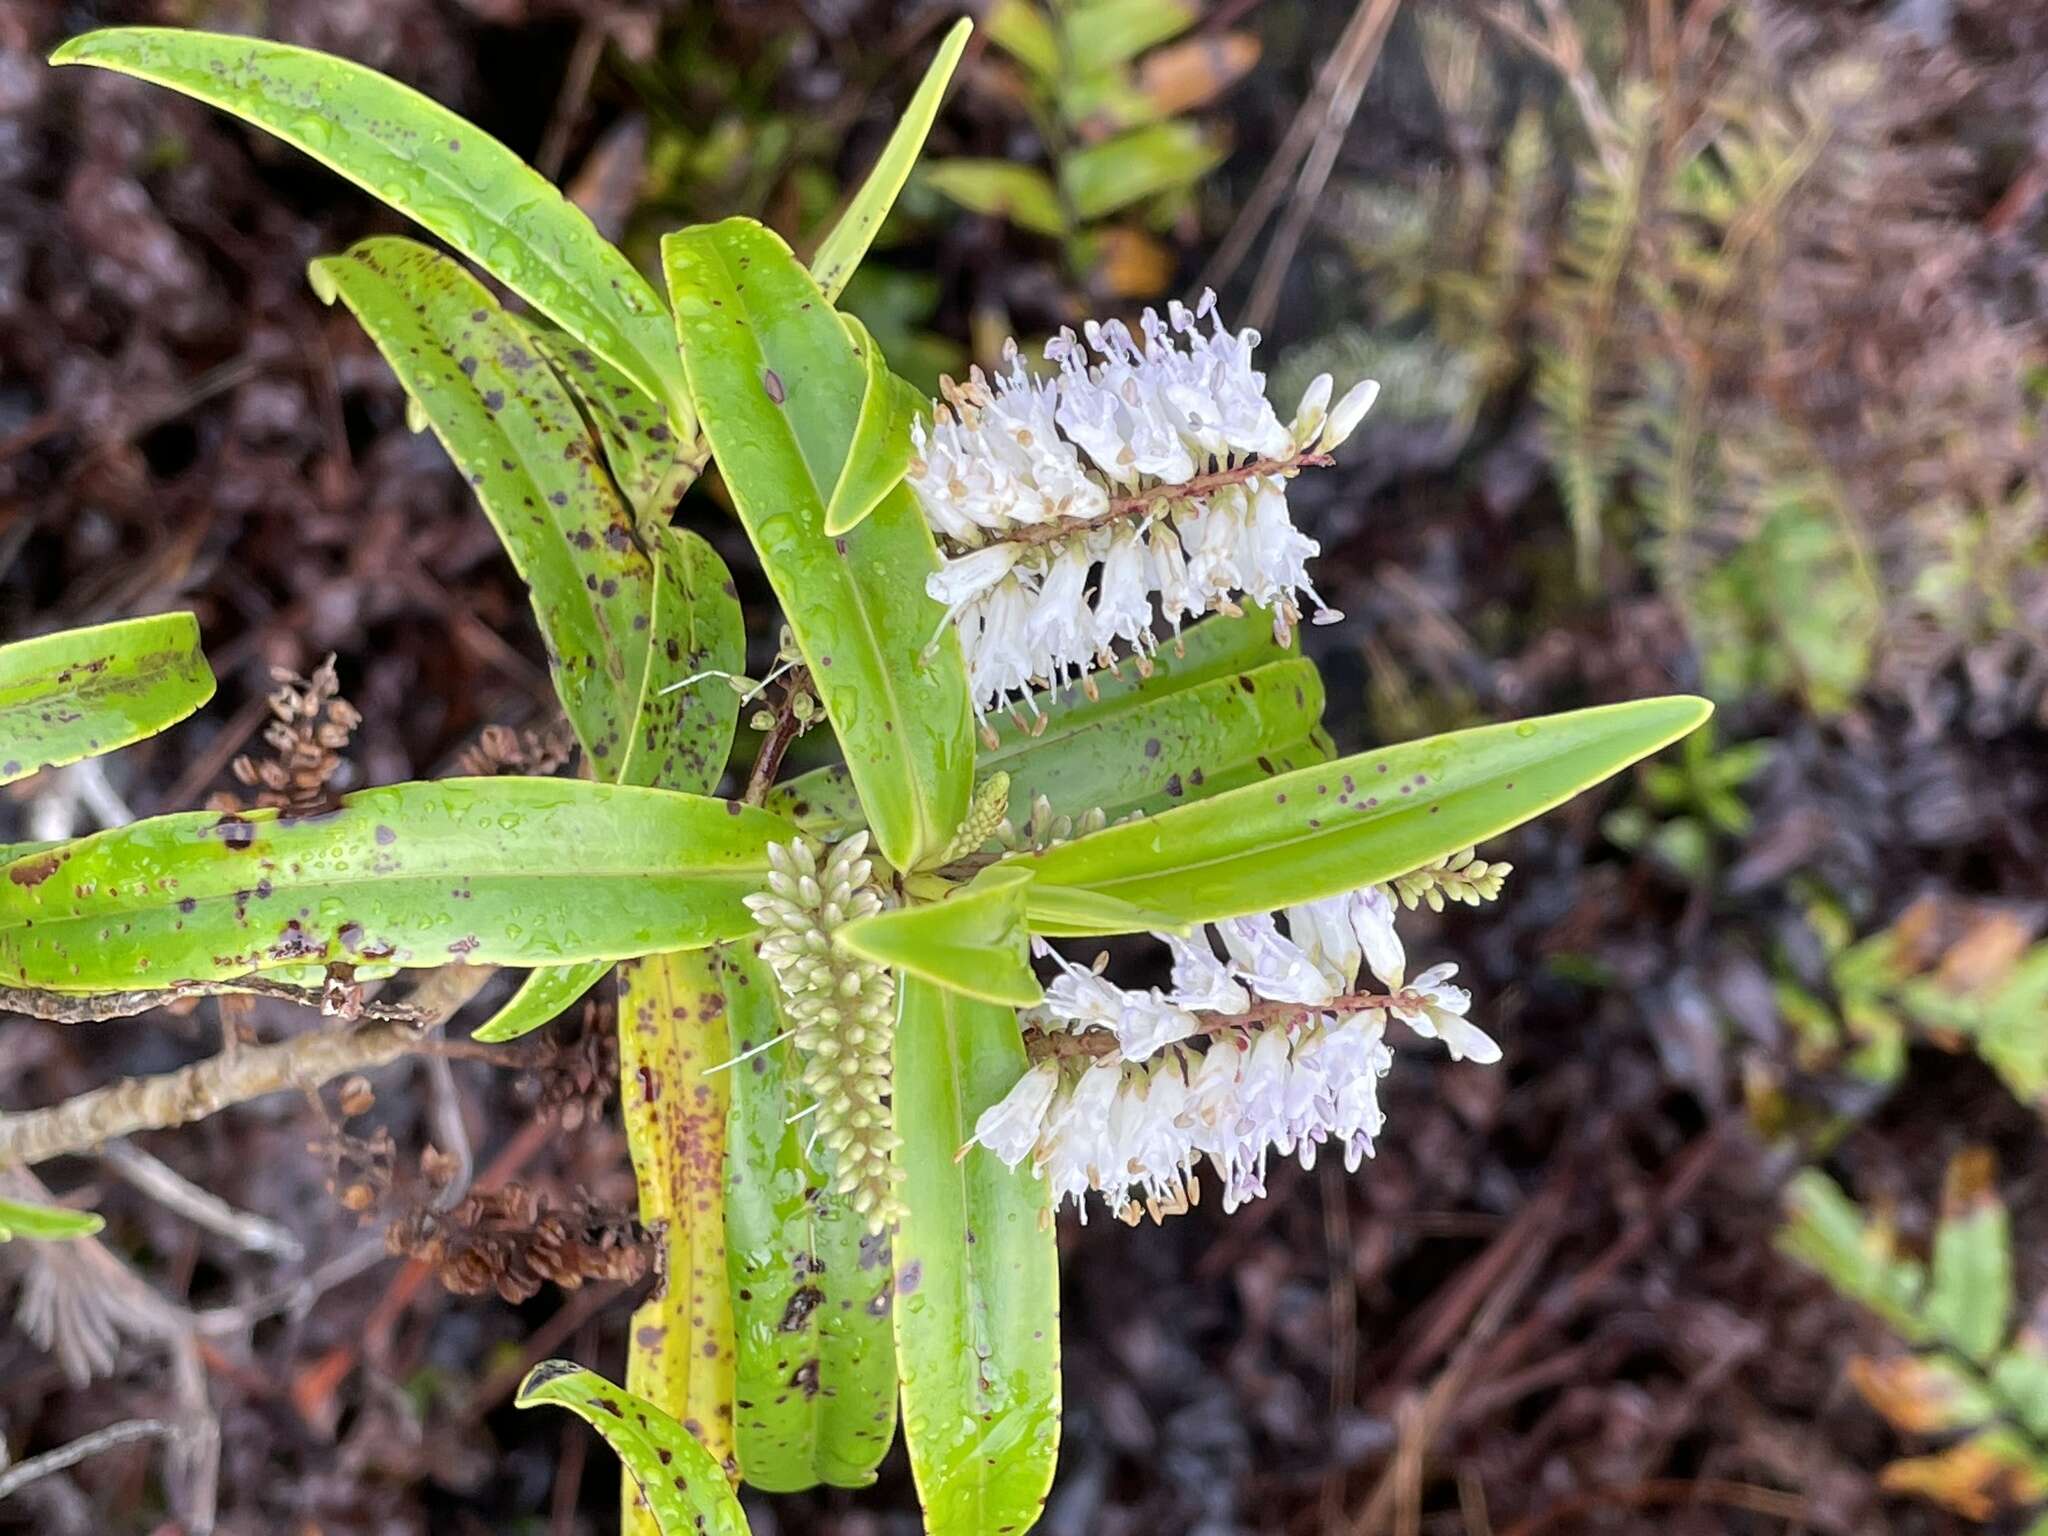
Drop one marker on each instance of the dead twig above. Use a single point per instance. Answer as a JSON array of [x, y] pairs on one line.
[[1328, 141], [170, 1189], [1301, 134], [99, 1007], [205, 1088], [17, 1477], [1567, 1513]]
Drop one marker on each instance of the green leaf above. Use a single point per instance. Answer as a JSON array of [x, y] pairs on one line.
[[682, 735], [673, 1041], [2021, 1377], [80, 692], [1323, 830], [1023, 194], [45, 1223], [517, 437], [1098, 179], [879, 456], [779, 382], [973, 942], [1064, 912], [1103, 33], [839, 254], [1173, 749], [1021, 29], [977, 1276], [1969, 1292], [432, 166], [823, 801], [503, 871], [651, 463], [545, 995], [812, 1289], [681, 1482], [1827, 1233]]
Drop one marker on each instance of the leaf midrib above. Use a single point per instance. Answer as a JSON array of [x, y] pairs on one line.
[[878, 661]]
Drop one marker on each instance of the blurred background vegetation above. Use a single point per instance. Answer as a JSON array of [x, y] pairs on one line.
[[1710, 341]]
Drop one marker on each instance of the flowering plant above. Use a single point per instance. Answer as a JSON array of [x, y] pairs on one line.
[[1051, 626]]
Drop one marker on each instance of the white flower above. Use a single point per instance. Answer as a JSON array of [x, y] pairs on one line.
[[1103, 464], [1325, 932], [1347, 414], [1271, 964], [963, 578], [1436, 1010], [1010, 1126], [1200, 980], [1372, 920], [1287, 1079]]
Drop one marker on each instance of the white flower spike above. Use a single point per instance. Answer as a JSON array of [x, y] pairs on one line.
[[1155, 461]]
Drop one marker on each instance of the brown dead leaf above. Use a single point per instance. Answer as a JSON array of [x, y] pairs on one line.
[[1976, 1478], [1188, 75], [1915, 1396], [1129, 264]]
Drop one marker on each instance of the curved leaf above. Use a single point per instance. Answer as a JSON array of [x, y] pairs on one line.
[[977, 1277], [973, 942], [840, 253], [503, 871], [683, 1485], [824, 803], [651, 463], [429, 164], [545, 995], [672, 1034], [517, 437], [1098, 179], [1332, 828], [778, 382], [45, 1223], [80, 692], [879, 455], [812, 1290]]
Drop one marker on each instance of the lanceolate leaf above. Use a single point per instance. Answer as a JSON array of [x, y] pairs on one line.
[[1331, 828], [81, 692], [779, 382], [517, 437], [544, 995], [684, 1486], [977, 1277], [500, 871], [812, 1290], [1969, 1289], [1040, 753], [430, 165], [841, 251], [681, 737], [651, 464], [1023, 194], [1112, 32], [974, 941], [880, 454], [43, 1222], [672, 1033], [1101, 178]]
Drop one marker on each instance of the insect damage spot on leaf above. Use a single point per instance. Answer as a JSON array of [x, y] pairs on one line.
[[771, 381]]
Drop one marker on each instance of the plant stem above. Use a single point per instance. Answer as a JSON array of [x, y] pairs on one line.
[[1184, 490], [1046, 1044]]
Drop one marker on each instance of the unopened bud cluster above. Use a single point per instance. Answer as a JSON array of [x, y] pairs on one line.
[[842, 1011], [1153, 469]]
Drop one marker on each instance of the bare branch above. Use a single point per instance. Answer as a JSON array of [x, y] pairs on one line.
[[17, 1477], [98, 1007], [169, 1188], [205, 1088]]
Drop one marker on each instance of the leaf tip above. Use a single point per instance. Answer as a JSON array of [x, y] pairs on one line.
[[539, 1379]]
